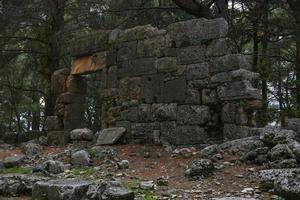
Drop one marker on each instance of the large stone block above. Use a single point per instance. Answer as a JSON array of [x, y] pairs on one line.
[[209, 96], [112, 77], [129, 89], [193, 96], [138, 67], [202, 30], [136, 33], [228, 63], [130, 114], [233, 132], [144, 111], [196, 115], [144, 132], [166, 64], [153, 47], [191, 135], [238, 90], [191, 54], [234, 113], [220, 47], [89, 64], [76, 84], [70, 98], [174, 91], [127, 50], [197, 71], [168, 132], [152, 88], [58, 81], [164, 112], [73, 116], [222, 77]]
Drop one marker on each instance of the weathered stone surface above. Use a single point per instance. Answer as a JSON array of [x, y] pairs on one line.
[[202, 30], [144, 132], [153, 47], [61, 189], [89, 64], [234, 198], [76, 84], [197, 115], [190, 135], [293, 124], [233, 132], [136, 33], [152, 88], [73, 117], [144, 112], [193, 96], [243, 74], [220, 47], [32, 149], [82, 134], [281, 152], [197, 71], [202, 167], [228, 63], [164, 112], [70, 98], [285, 182], [222, 77], [103, 153], [190, 55], [209, 96], [129, 89], [272, 136], [234, 113], [110, 135], [126, 50], [80, 158], [171, 95], [166, 64], [168, 132], [54, 166], [138, 67], [238, 90], [58, 81], [53, 123], [13, 161]]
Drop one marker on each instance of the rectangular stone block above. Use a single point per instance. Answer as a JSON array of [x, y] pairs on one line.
[[193, 96], [238, 90], [197, 71], [152, 88], [209, 96], [221, 47], [191, 135], [166, 64], [152, 47], [222, 77], [57, 138], [191, 55], [174, 91], [202, 30], [138, 67], [143, 132], [130, 114], [234, 113], [126, 51], [145, 114], [168, 132], [70, 98], [129, 89], [58, 81], [112, 77], [228, 63], [73, 116], [76, 84], [194, 114], [233, 132], [164, 112]]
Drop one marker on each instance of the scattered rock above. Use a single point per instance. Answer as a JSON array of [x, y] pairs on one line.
[[103, 153], [13, 161], [210, 151], [147, 185], [116, 192], [54, 167], [110, 135], [124, 164], [280, 152], [32, 149], [162, 181], [82, 135], [272, 136], [80, 158], [202, 167]]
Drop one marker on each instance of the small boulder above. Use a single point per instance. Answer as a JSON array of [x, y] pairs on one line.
[[202, 167], [110, 135], [82, 135], [272, 136], [13, 161], [124, 164], [103, 153], [280, 152], [147, 185], [32, 149], [54, 167], [80, 158], [209, 151]]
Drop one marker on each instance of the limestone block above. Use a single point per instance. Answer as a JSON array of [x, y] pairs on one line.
[[144, 111], [191, 54], [70, 98], [164, 112], [127, 50], [136, 33], [190, 135], [152, 88], [130, 114], [238, 90], [144, 132], [153, 47], [129, 88], [137, 67], [228, 63], [89, 64], [112, 77], [194, 114], [73, 116], [202, 29], [197, 71], [222, 77], [58, 81], [220, 47], [233, 132], [168, 132], [209, 96], [174, 91], [166, 64], [193, 96], [234, 113]]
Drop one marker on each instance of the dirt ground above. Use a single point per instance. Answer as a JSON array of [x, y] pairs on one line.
[[229, 179]]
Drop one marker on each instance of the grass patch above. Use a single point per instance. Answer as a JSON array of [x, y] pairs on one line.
[[16, 170], [148, 195], [85, 171], [131, 185]]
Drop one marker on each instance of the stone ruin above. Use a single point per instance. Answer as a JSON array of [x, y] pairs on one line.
[[183, 85]]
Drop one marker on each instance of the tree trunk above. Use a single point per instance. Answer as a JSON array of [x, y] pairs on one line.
[[57, 11], [297, 67], [222, 6]]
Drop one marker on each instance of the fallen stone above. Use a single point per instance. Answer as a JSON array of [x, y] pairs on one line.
[[281, 152], [103, 153], [147, 185], [80, 158], [284, 182], [110, 135], [13, 161], [124, 164], [61, 189], [272, 136], [32, 149], [202, 167], [82, 134], [54, 167]]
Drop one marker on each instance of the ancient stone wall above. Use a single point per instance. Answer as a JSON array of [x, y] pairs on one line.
[[183, 85]]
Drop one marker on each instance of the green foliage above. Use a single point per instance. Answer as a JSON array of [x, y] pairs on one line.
[[85, 171], [148, 195], [16, 170]]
